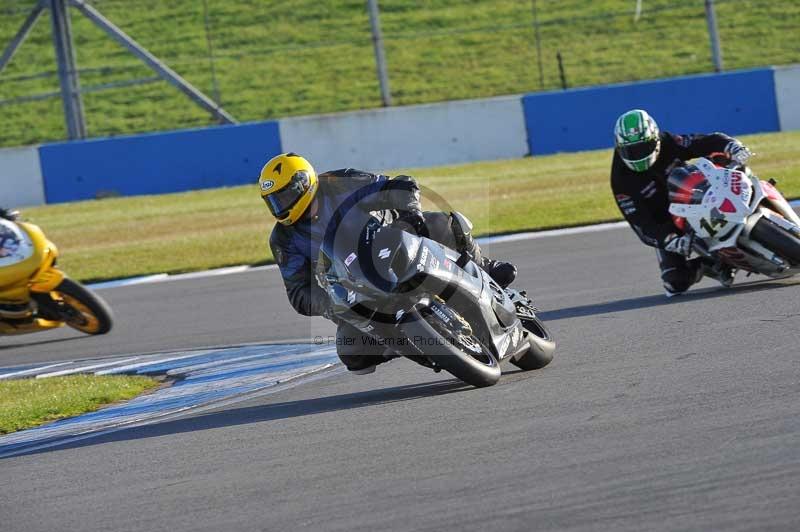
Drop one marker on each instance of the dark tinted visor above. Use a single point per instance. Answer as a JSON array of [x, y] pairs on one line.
[[639, 150], [283, 200]]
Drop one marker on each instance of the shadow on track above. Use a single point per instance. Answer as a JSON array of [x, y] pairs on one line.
[[658, 300], [271, 412], [40, 342]]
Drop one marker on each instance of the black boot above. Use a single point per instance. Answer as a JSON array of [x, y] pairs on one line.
[[503, 273]]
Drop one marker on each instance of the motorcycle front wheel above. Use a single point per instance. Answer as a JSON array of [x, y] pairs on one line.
[[463, 356], [777, 240], [81, 309], [542, 345]]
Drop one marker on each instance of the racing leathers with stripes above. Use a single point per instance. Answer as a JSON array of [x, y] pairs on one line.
[[643, 200]]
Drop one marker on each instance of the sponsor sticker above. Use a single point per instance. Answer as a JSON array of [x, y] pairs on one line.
[[266, 185], [736, 183], [441, 314], [422, 258], [349, 260]]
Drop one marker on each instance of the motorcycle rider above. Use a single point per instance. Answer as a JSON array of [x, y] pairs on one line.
[[644, 156], [304, 203]]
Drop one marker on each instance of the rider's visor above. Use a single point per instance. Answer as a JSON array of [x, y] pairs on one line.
[[638, 150], [281, 201]]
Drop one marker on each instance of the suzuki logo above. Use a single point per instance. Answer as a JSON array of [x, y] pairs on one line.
[[384, 253]]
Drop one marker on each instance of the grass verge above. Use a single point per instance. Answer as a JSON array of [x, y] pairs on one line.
[[264, 60], [26, 403], [122, 237]]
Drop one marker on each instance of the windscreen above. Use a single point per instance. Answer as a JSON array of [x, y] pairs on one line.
[[687, 184]]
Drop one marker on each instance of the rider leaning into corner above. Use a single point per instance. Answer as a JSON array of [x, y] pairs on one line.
[[644, 156], [304, 204]]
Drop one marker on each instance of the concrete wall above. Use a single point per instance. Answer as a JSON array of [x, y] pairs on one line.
[[582, 119], [157, 163], [414, 136], [20, 177], [751, 101], [787, 92]]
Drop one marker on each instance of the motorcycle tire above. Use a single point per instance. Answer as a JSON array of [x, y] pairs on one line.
[[471, 362], [87, 312], [777, 239], [542, 346]]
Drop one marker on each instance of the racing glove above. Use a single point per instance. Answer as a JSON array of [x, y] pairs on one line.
[[738, 152], [413, 218], [682, 245]]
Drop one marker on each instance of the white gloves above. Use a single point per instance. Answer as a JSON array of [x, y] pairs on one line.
[[738, 152]]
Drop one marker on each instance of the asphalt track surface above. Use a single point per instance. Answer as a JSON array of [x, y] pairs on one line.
[[656, 414]]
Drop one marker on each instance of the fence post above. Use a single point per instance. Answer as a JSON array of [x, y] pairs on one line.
[[67, 70], [713, 34], [209, 46], [561, 73], [380, 57], [538, 43]]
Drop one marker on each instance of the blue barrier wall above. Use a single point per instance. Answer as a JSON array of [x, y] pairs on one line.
[[157, 163], [583, 119], [563, 121]]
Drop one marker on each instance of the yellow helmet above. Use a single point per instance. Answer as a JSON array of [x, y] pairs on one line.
[[288, 185]]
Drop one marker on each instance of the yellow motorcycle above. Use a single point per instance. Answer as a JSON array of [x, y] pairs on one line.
[[34, 294]]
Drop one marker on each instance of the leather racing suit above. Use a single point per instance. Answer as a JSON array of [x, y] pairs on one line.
[[642, 197]]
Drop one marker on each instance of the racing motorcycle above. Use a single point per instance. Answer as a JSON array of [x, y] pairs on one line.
[[427, 302], [34, 294], [736, 218]]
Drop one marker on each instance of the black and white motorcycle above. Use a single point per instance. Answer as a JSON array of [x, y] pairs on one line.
[[736, 218], [428, 303]]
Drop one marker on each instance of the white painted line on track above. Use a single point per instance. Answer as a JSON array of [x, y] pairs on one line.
[[84, 369], [550, 233], [127, 368], [32, 370], [486, 240], [133, 280]]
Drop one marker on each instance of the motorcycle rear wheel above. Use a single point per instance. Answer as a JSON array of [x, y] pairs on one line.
[[464, 357], [85, 311], [777, 240], [542, 345]]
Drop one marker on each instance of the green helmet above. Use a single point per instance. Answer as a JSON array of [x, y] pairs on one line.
[[637, 139]]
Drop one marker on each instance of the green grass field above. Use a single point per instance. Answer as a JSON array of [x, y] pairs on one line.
[[122, 237], [275, 59], [26, 403]]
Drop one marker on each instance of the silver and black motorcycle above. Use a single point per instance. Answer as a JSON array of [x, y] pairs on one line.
[[426, 302]]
